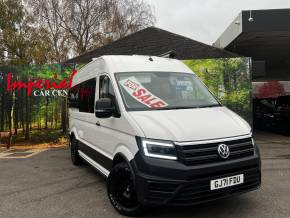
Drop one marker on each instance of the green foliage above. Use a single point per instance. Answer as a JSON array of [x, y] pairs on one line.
[[21, 36], [11, 13], [237, 100], [42, 109], [228, 79], [40, 136]]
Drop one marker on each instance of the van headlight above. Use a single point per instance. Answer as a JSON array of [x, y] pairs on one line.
[[159, 149]]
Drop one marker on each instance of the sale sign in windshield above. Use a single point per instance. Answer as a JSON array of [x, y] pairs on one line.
[[135, 89]]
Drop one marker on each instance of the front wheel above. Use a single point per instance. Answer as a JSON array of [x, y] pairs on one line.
[[122, 192]]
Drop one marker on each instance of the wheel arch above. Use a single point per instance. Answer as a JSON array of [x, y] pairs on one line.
[[73, 133], [124, 152], [120, 157]]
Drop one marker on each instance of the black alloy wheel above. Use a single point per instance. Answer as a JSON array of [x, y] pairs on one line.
[[122, 192]]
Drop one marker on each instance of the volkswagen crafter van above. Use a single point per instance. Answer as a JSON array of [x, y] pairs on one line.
[[152, 128]]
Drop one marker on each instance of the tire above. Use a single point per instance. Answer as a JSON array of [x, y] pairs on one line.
[[121, 191], [75, 157]]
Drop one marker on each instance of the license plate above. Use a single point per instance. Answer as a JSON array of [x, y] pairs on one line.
[[226, 182]]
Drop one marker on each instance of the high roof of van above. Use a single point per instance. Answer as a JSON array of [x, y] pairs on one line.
[[123, 63], [129, 63]]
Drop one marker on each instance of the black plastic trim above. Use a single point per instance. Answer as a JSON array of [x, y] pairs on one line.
[[169, 177], [101, 159]]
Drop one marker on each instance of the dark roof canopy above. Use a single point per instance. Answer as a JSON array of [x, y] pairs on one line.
[[264, 37], [154, 41]]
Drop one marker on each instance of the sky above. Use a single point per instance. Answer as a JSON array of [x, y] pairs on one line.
[[205, 20]]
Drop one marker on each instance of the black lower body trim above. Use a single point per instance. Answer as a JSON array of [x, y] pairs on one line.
[[101, 159]]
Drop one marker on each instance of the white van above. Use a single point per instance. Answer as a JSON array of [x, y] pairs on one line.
[[152, 128]]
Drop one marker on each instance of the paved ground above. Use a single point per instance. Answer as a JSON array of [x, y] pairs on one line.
[[48, 185], [19, 153]]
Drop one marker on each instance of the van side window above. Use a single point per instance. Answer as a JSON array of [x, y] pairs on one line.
[[73, 97], [86, 95], [106, 88]]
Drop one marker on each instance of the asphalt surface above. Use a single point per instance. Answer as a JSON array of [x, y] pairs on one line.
[[48, 185]]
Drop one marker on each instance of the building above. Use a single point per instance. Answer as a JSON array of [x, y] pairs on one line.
[[154, 41], [263, 35]]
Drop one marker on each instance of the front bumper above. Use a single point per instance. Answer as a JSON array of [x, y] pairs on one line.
[[166, 182]]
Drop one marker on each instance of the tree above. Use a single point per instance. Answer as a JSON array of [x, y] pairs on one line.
[[88, 24], [49, 21], [13, 42], [125, 17], [50, 31], [23, 43], [228, 79]]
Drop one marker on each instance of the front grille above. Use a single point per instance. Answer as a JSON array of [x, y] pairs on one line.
[[198, 190], [207, 153]]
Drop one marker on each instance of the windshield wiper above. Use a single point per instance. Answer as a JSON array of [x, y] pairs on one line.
[[210, 105], [175, 108], [189, 107]]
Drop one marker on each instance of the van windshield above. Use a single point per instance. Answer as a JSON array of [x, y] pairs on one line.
[[163, 91]]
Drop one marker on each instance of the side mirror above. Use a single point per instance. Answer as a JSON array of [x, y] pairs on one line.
[[104, 108]]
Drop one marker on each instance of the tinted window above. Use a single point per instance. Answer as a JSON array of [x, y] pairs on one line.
[[106, 88], [87, 96], [73, 97]]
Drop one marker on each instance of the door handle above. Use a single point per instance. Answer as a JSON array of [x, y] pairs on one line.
[[98, 123]]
